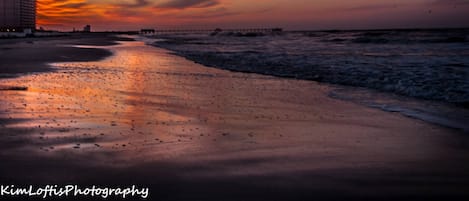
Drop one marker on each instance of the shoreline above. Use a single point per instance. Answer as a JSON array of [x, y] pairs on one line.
[[190, 132], [419, 113], [201, 60], [384, 61], [439, 112], [32, 55]]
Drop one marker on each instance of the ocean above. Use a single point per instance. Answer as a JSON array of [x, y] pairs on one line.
[[420, 73]]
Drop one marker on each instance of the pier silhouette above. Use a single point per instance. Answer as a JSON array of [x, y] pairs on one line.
[[217, 30]]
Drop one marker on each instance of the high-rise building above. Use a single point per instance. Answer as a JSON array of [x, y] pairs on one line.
[[17, 15]]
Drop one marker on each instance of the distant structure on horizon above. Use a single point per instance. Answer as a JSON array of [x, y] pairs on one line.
[[17, 15], [87, 28], [147, 31], [239, 31]]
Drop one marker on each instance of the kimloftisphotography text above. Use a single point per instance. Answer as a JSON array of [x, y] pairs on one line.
[[51, 191]]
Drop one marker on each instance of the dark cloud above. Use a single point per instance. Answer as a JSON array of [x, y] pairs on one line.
[[373, 7], [219, 12], [75, 5], [182, 4], [136, 4], [451, 2]]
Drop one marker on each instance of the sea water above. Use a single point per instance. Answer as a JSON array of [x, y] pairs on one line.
[[429, 68]]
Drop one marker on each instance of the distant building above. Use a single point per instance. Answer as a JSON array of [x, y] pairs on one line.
[[87, 28], [17, 15]]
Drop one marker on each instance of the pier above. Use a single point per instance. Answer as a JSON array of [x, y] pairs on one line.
[[217, 30]]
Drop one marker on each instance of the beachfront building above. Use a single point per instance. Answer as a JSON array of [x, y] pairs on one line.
[[17, 15], [87, 28]]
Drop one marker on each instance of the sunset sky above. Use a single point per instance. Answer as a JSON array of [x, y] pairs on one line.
[[289, 14]]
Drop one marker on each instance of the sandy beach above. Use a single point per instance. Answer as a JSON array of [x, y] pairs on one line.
[[26, 55], [123, 113]]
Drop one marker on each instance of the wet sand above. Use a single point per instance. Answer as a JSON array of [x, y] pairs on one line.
[[147, 117], [29, 55]]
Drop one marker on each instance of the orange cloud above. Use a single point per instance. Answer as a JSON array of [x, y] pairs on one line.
[[121, 15], [66, 12]]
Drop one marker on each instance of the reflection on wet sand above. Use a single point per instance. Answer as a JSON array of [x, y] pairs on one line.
[[143, 105]]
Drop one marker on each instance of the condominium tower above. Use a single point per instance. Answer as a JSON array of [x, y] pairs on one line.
[[17, 15]]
